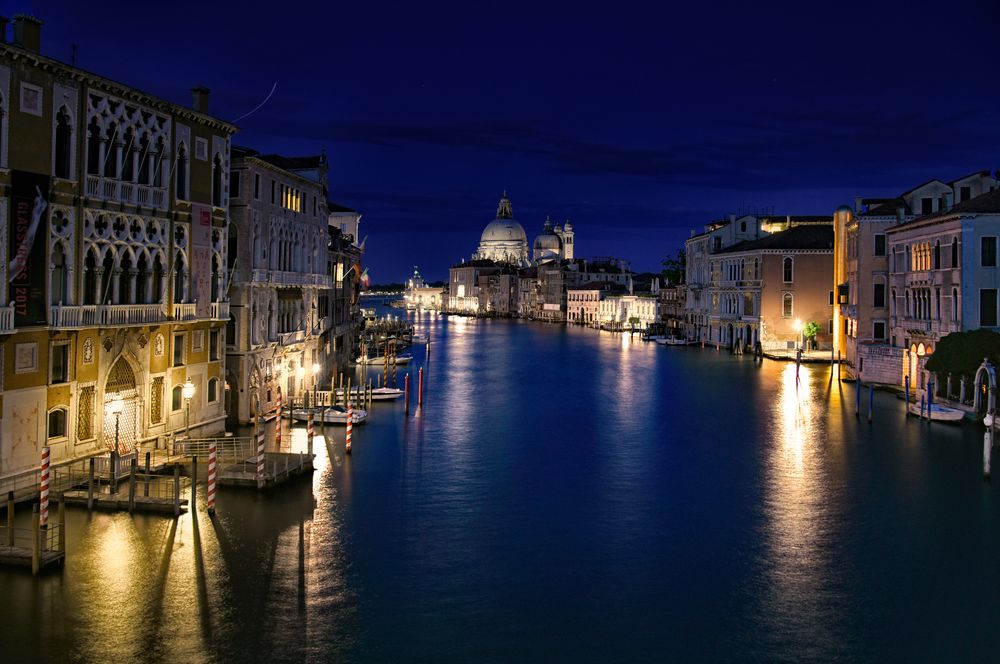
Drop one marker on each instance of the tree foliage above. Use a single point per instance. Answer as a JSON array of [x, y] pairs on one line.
[[674, 268], [810, 330], [961, 353]]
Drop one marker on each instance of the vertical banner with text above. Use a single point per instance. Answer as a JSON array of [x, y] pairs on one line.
[[28, 233], [201, 258]]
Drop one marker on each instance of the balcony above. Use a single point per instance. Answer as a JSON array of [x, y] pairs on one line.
[[7, 319], [220, 311], [109, 189], [107, 315], [187, 311], [288, 338], [289, 278]]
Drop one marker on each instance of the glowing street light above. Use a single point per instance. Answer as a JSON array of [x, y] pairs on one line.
[[798, 332], [115, 407], [187, 391], [315, 370]]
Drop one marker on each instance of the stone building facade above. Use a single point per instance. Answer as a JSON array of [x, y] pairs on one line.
[[114, 219]]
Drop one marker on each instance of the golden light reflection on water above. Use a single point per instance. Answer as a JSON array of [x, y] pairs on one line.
[[796, 513]]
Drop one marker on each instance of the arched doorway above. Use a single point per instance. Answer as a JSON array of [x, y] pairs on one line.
[[121, 385]]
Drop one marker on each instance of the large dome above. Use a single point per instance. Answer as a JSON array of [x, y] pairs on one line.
[[504, 230], [503, 239]]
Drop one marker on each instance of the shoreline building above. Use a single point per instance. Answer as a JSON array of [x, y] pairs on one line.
[[764, 291], [280, 296], [944, 277], [419, 295], [865, 316], [115, 220]]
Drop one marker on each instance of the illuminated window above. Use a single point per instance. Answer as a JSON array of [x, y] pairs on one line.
[[786, 305]]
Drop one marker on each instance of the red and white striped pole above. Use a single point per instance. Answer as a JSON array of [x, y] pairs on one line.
[[420, 386], [277, 426], [212, 457], [310, 432], [43, 502], [260, 455], [350, 420]]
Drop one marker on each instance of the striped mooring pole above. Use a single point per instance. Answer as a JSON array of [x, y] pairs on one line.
[[213, 451], [277, 425], [310, 432], [350, 418], [260, 455], [406, 394], [43, 498]]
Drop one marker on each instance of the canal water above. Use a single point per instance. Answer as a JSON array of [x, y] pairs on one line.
[[563, 495]]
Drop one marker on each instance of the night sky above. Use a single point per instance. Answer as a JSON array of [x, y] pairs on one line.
[[638, 123]]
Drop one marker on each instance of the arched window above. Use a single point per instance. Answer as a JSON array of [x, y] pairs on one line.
[[142, 281], [124, 275], [937, 303], [64, 134], [181, 174], [57, 423], [213, 390], [231, 331], [954, 252], [94, 148], [129, 156], [176, 398], [217, 181], [786, 270], [954, 305], [180, 290], [156, 290], [937, 255], [908, 309], [786, 305], [58, 286], [104, 297], [144, 159], [909, 264], [111, 152], [892, 303]]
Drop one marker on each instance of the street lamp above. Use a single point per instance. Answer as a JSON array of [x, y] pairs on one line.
[[115, 407], [798, 332], [300, 373], [187, 391]]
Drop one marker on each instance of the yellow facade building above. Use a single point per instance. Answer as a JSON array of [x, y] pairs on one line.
[[114, 238]]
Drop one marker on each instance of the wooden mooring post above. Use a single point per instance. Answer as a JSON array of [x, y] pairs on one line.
[[90, 486], [36, 541], [177, 491], [131, 485], [145, 490]]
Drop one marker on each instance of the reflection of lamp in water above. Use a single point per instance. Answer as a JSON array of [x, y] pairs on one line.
[[187, 391], [115, 407]]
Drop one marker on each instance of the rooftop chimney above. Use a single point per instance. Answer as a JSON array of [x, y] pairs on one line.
[[3, 29], [200, 99], [857, 205], [28, 32]]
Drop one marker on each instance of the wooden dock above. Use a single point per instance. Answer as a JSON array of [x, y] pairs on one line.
[[279, 467]]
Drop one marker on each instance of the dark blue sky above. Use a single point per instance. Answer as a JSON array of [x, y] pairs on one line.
[[638, 122]]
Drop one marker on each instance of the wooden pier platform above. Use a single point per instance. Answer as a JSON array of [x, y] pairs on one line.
[[20, 556], [279, 467], [119, 502]]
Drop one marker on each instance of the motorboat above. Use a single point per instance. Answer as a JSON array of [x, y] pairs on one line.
[[402, 358], [419, 338], [329, 415], [937, 412], [672, 341], [378, 393], [651, 337]]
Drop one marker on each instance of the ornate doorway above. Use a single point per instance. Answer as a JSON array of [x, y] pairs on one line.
[[121, 385]]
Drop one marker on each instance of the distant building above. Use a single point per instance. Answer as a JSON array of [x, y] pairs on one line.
[[346, 220], [766, 290], [419, 295], [628, 312], [503, 240]]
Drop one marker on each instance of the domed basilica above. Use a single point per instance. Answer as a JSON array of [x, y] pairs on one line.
[[504, 240]]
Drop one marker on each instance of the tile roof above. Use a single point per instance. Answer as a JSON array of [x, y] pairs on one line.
[[809, 236], [983, 204]]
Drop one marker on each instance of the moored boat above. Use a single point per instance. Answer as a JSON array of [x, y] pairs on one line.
[[403, 358], [330, 415], [378, 393], [937, 412]]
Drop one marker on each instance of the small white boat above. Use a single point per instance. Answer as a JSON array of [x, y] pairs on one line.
[[937, 412], [672, 341], [378, 393], [401, 359], [333, 415], [419, 339]]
